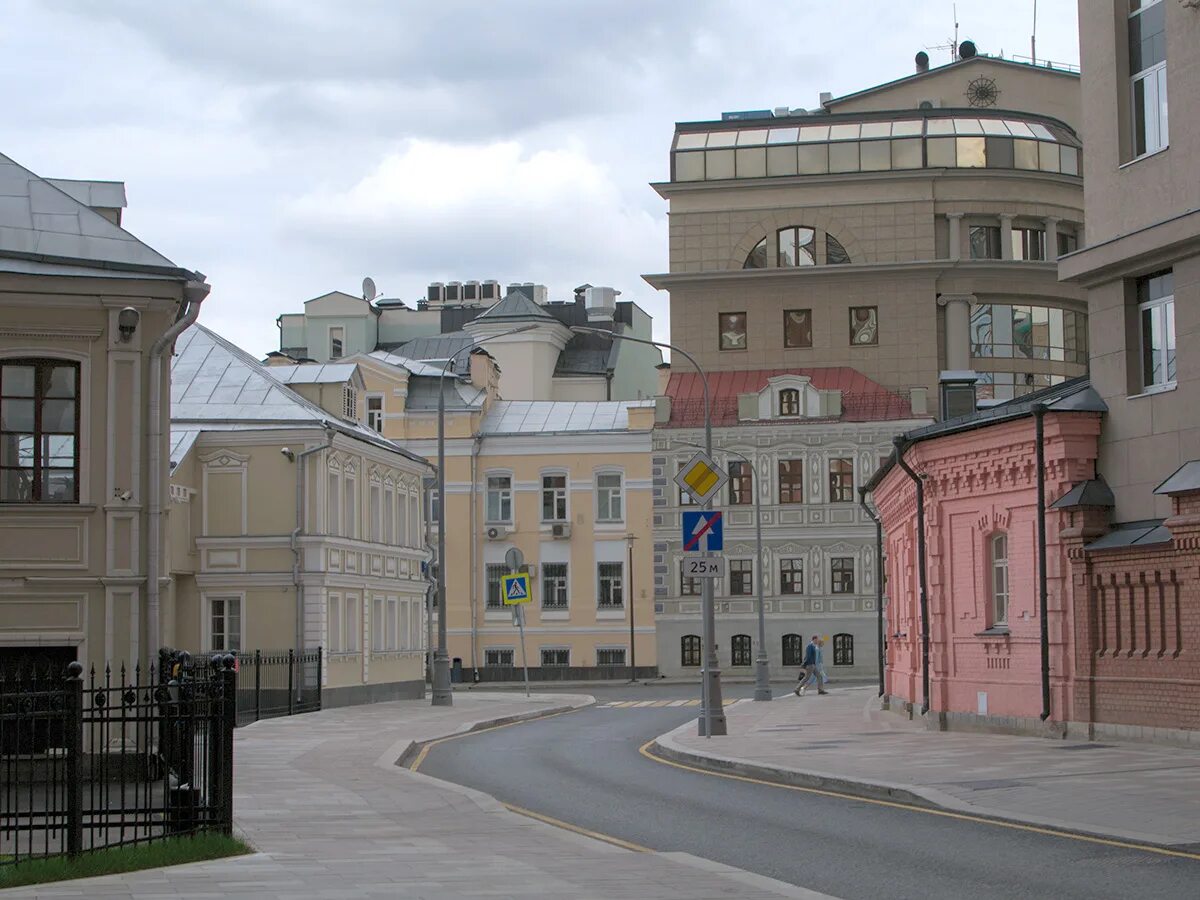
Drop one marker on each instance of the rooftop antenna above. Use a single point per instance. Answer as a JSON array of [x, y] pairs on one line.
[[369, 292], [1033, 37], [952, 46]]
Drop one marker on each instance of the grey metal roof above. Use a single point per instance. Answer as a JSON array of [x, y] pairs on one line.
[[319, 373], [38, 218], [1185, 478], [1093, 492], [183, 436], [515, 307], [542, 416], [1127, 534], [423, 394], [104, 194], [414, 366], [587, 354], [438, 346]]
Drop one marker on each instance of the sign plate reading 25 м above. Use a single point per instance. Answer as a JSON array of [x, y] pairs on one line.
[[702, 567]]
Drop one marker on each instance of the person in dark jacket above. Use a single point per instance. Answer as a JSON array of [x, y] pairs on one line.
[[810, 664]]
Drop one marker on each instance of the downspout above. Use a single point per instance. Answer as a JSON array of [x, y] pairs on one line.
[[475, 550], [862, 499], [296, 532], [1039, 431], [923, 593], [194, 293]]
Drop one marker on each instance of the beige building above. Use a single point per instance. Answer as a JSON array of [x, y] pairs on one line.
[[1141, 261], [87, 314], [907, 231], [293, 525]]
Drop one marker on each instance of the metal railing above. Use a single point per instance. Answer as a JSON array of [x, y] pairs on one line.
[[275, 683], [118, 758]]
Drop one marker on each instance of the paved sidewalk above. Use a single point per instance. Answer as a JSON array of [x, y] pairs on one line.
[[332, 816], [1137, 792]]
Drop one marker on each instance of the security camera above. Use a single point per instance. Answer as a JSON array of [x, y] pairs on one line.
[[287, 451], [127, 322], [124, 495]]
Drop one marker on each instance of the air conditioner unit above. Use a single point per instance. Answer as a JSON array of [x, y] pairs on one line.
[[561, 531], [453, 292], [930, 104], [470, 291], [491, 290], [496, 532], [436, 293]]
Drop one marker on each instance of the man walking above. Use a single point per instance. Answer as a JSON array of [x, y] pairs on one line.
[[811, 664]]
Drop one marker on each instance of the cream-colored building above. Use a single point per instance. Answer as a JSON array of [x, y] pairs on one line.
[[86, 316], [1141, 261], [293, 525], [908, 231]]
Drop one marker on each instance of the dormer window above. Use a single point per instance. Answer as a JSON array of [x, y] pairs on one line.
[[789, 402]]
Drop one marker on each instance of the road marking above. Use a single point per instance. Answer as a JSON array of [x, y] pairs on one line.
[[909, 807], [429, 745], [642, 703], [559, 823], [677, 703]]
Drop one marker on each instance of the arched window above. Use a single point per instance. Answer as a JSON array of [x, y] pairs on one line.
[[843, 649], [789, 402], [835, 253], [689, 651], [757, 258], [999, 564], [797, 246], [740, 649], [793, 650]]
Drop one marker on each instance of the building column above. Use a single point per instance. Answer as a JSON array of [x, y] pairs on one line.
[[1006, 247], [955, 222], [957, 330], [1051, 224]]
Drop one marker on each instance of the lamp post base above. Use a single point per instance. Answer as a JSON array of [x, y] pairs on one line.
[[443, 693], [716, 706], [762, 679]]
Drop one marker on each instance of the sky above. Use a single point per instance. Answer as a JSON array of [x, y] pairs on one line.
[[287, 148]]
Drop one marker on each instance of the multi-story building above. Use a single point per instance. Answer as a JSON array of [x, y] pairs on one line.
[[292, 524], [87, 314], [797, 445], [907, 231]]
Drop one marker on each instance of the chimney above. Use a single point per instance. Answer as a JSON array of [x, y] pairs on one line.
[[826, 97], [601, 303], [922, 60], [664, 377]]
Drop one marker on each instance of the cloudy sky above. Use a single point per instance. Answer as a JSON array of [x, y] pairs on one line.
[[286, 148]]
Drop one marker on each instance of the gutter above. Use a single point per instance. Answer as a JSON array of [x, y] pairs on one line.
[[296, 532], [1039, 416], [879, 636], [194, 292], [923, 593]]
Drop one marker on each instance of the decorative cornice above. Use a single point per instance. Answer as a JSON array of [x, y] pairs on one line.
[[54, 332]]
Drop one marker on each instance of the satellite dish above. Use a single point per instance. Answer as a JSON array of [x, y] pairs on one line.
[[369, 292], [966, 50]]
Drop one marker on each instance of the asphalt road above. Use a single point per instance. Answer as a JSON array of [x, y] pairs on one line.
[[584, 768]]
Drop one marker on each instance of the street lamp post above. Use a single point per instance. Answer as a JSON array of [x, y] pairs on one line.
[[443, 693], [712, 718]]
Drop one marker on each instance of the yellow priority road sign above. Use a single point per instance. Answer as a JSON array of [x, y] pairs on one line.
[[701, 477], [515, 588]]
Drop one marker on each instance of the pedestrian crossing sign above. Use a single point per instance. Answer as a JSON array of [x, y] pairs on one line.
[[515, 588]]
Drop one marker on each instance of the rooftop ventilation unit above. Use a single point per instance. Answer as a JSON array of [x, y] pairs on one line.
[[471, 291], [454, 292], [436, 293], [489, 290]]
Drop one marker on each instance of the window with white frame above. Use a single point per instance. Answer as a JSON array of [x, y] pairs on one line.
[[353, 628], [554, 498], [611, 590], [376, 513], [225, 623], [501, 657], [610, 505], [556, 657], [393, 624], [1148, 75], [337, 341], [610, 656], [375, 412], [1029, 243], [39, 431], [555, 588], [741, 576], [791, 576], [402, 501], [333, 494], [999, 565], [1156, 325], [350, 403], [435, 508], [495, 594], [333, 622], [414, 521], [841, 480], [379, 624], [499, 498], [350, 510]]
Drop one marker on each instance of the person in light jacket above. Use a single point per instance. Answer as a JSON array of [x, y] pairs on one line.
[[810, 664]]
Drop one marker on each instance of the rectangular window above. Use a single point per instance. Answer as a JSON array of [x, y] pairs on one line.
[[610, 656], [841, 574], [791, 576], [688, 587], [611, 577], [685, 499], [797, 328], [740, 651], [389, 511], [435, 508], [376, 513], [375, 413], [1148, 75], [732, 330], [333, 494], [351, 508], [741, 483], [741, 576], [556, 657], [609, 498], [789, 402], [225, 623], [1067, 243], [1028, 243], [337, 337], [378, 626], [985, 241], [393, 624], [499, 498], [689, 650], [554, 498], [39, 431], [353, 629], [999, 580], [843, 649], [864, 326], [554, 586], [495, 571], [333, 622], [791, 481], [498, 657], [841, 480], [1156, 316]]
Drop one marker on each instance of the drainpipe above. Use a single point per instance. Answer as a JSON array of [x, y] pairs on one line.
[[194, 293], [1039, 428], [296, 532], [923, 593], [475, 551], [862, 499]]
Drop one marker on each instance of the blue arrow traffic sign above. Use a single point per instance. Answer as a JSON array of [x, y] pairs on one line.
[[703, 530]]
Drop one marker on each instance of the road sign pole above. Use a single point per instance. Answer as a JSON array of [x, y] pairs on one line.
[[524, 660]]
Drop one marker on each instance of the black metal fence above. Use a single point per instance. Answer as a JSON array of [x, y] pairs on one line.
[[117, 758], [277, 683]]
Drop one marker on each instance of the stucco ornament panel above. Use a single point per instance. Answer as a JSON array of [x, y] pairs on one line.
[[224, 459]]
